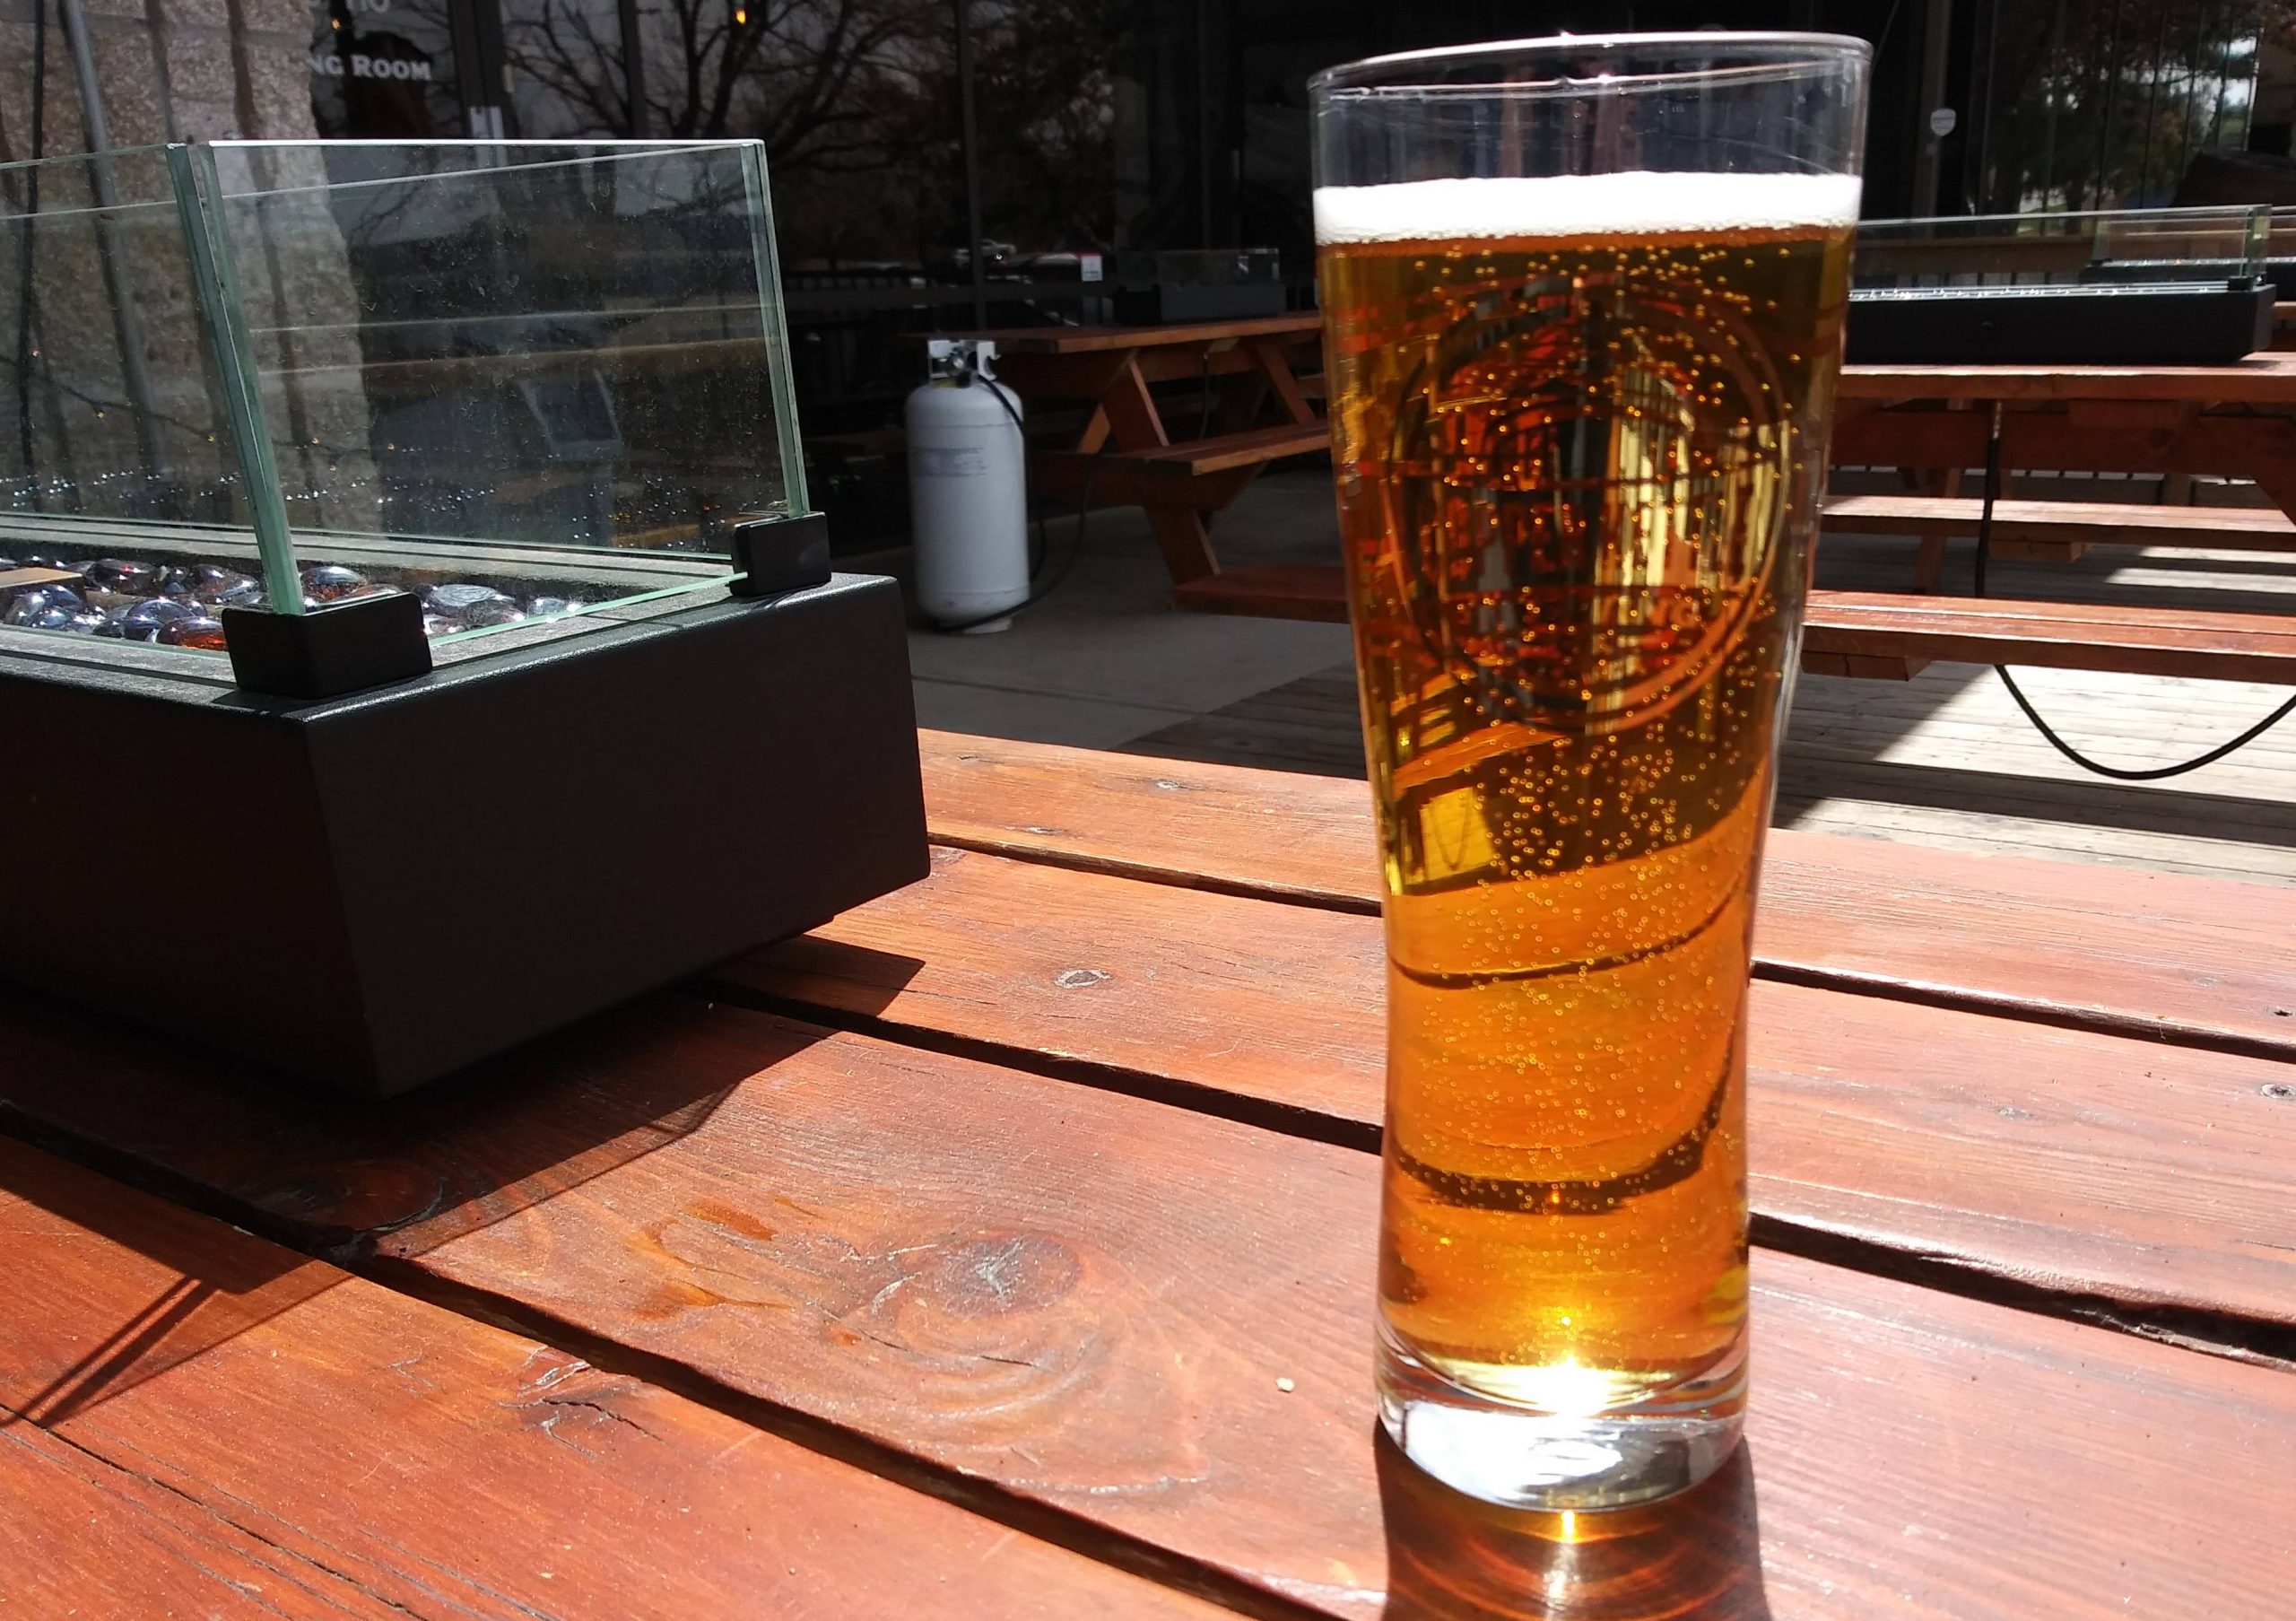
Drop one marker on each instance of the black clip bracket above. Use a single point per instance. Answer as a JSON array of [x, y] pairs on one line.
[[776, 555], [326, 651]]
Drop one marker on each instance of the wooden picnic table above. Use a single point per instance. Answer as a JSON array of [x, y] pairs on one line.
[[2236, 420], [1126, 453], [1004, 1247]]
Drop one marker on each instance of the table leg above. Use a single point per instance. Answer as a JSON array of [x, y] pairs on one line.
[[1132, 420], [1134, 423], [1278, 369], [1930, 557], [2258, 448]]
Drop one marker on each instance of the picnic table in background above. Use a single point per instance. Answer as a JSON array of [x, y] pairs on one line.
[[1251, 408], [1005, 1247], [2236, 421]]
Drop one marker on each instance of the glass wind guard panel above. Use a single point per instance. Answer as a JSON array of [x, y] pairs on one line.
[[518, 377], [116, 457], [2280, 243], [2126, 247]]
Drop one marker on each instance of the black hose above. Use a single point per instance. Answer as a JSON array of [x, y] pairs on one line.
[[2118, 772]]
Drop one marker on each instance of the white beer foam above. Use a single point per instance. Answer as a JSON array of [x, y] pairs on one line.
[[1635, 203]]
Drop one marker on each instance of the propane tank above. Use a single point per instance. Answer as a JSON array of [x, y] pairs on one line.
[[968, 489]]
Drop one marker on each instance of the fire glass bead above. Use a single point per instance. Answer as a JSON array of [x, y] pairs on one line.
[[460, 599], [89, 622], [33, 606], [331, 582], [122, 575], [142, 623], [194, 630], [494, 611], [222, 587]]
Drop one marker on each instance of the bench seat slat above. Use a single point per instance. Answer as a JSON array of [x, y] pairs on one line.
[[2072, 522], [1867, 632]]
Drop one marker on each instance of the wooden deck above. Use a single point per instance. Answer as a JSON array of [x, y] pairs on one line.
[[1946, 759]]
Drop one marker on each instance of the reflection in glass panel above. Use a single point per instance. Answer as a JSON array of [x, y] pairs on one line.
[[384, 70], [522, 345], [116, 464], [521, 381], [2041, 249], [109, 408]]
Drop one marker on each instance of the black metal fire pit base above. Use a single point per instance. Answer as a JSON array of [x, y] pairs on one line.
[[373, 891]]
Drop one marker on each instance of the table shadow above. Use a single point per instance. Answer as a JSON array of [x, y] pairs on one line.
[[339, 1178], [345, 1178], [1695, 1557], [222, 1285]]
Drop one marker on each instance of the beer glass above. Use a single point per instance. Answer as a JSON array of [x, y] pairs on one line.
[[1584, 302]]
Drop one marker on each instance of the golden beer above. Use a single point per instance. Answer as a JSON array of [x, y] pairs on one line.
[[1577, 472]]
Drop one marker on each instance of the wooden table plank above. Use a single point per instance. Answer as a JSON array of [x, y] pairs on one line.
[[195, 1422], [1093, 340], [2062, 522], [2079, 636], [1088, 1299], [2141, 1183], [2263, 380], [2193, 960]]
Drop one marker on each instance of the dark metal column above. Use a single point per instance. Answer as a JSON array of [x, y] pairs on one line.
[[970, 135], [1203, 123], [1938, 34], [633, 67]]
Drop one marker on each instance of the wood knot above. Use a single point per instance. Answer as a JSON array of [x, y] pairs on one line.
[[362, 1196], [1077, 978], [2279, 1089], [995, 1277]]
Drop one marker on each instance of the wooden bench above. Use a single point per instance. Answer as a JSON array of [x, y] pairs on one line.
[[1269, 590], [2059, 531], [1202, 474], [1891, 636], [1222, 453]]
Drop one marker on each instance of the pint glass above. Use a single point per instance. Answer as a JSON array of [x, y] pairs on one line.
[[1584, 302]]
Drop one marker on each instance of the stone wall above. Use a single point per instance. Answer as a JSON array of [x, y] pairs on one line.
[[170, 70]]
